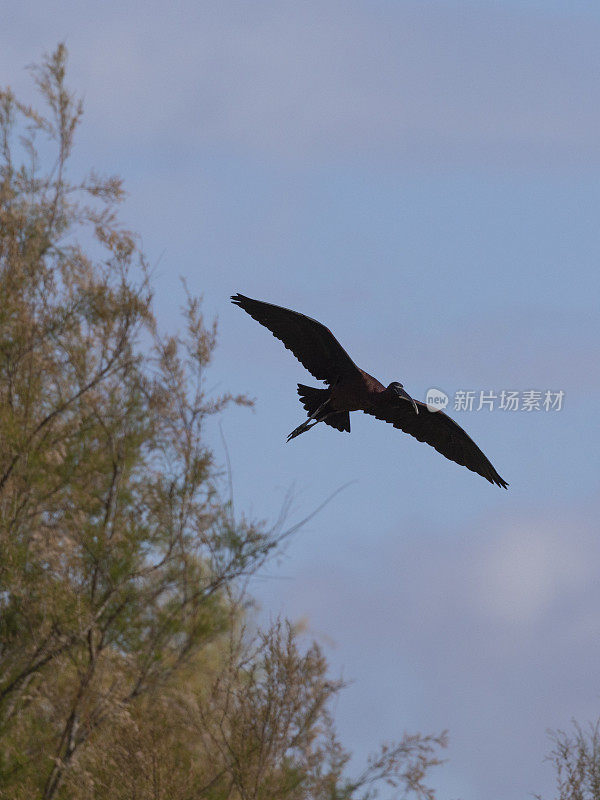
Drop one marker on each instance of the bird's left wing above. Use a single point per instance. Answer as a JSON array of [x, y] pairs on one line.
[[314, 345], [442, 433]]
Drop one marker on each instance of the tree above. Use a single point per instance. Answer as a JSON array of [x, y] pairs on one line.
[[576, 759], [124, 669]]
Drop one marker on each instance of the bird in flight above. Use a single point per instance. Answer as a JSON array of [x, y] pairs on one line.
[[352, 389]]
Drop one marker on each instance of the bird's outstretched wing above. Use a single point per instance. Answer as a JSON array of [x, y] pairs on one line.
[[314, 345], [441, 432]]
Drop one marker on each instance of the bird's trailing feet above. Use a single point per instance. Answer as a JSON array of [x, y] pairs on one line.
[[306, 426], [313, 418]]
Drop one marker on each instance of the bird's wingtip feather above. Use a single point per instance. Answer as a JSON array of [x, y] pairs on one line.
[[239, 300]]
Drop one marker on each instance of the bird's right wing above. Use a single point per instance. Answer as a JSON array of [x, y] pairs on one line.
[[441, 432], [314, 345]]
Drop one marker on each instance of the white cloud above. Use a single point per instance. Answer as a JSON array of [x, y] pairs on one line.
[[529, 568], [491, 631]]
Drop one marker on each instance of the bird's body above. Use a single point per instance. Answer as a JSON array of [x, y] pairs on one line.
[[353, 389], [357, 393]]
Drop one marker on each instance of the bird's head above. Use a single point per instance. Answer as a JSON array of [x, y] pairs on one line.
[[398, 393]]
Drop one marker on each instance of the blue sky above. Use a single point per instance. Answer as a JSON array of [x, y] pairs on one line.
[[424, 179]]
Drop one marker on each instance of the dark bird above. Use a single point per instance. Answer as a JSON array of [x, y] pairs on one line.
[[352, 389]]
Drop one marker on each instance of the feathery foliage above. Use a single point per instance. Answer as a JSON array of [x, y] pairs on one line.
[[576, 760], [125, 668]]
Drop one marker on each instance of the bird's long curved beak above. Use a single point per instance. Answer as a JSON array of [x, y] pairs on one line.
[[406, 396]]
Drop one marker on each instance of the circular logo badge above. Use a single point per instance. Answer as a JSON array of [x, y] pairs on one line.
[[436, 400]]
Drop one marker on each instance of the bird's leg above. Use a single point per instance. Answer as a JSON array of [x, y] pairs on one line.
[[306, 424]]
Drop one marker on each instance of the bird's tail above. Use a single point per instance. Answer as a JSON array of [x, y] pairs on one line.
[[312, 399]]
